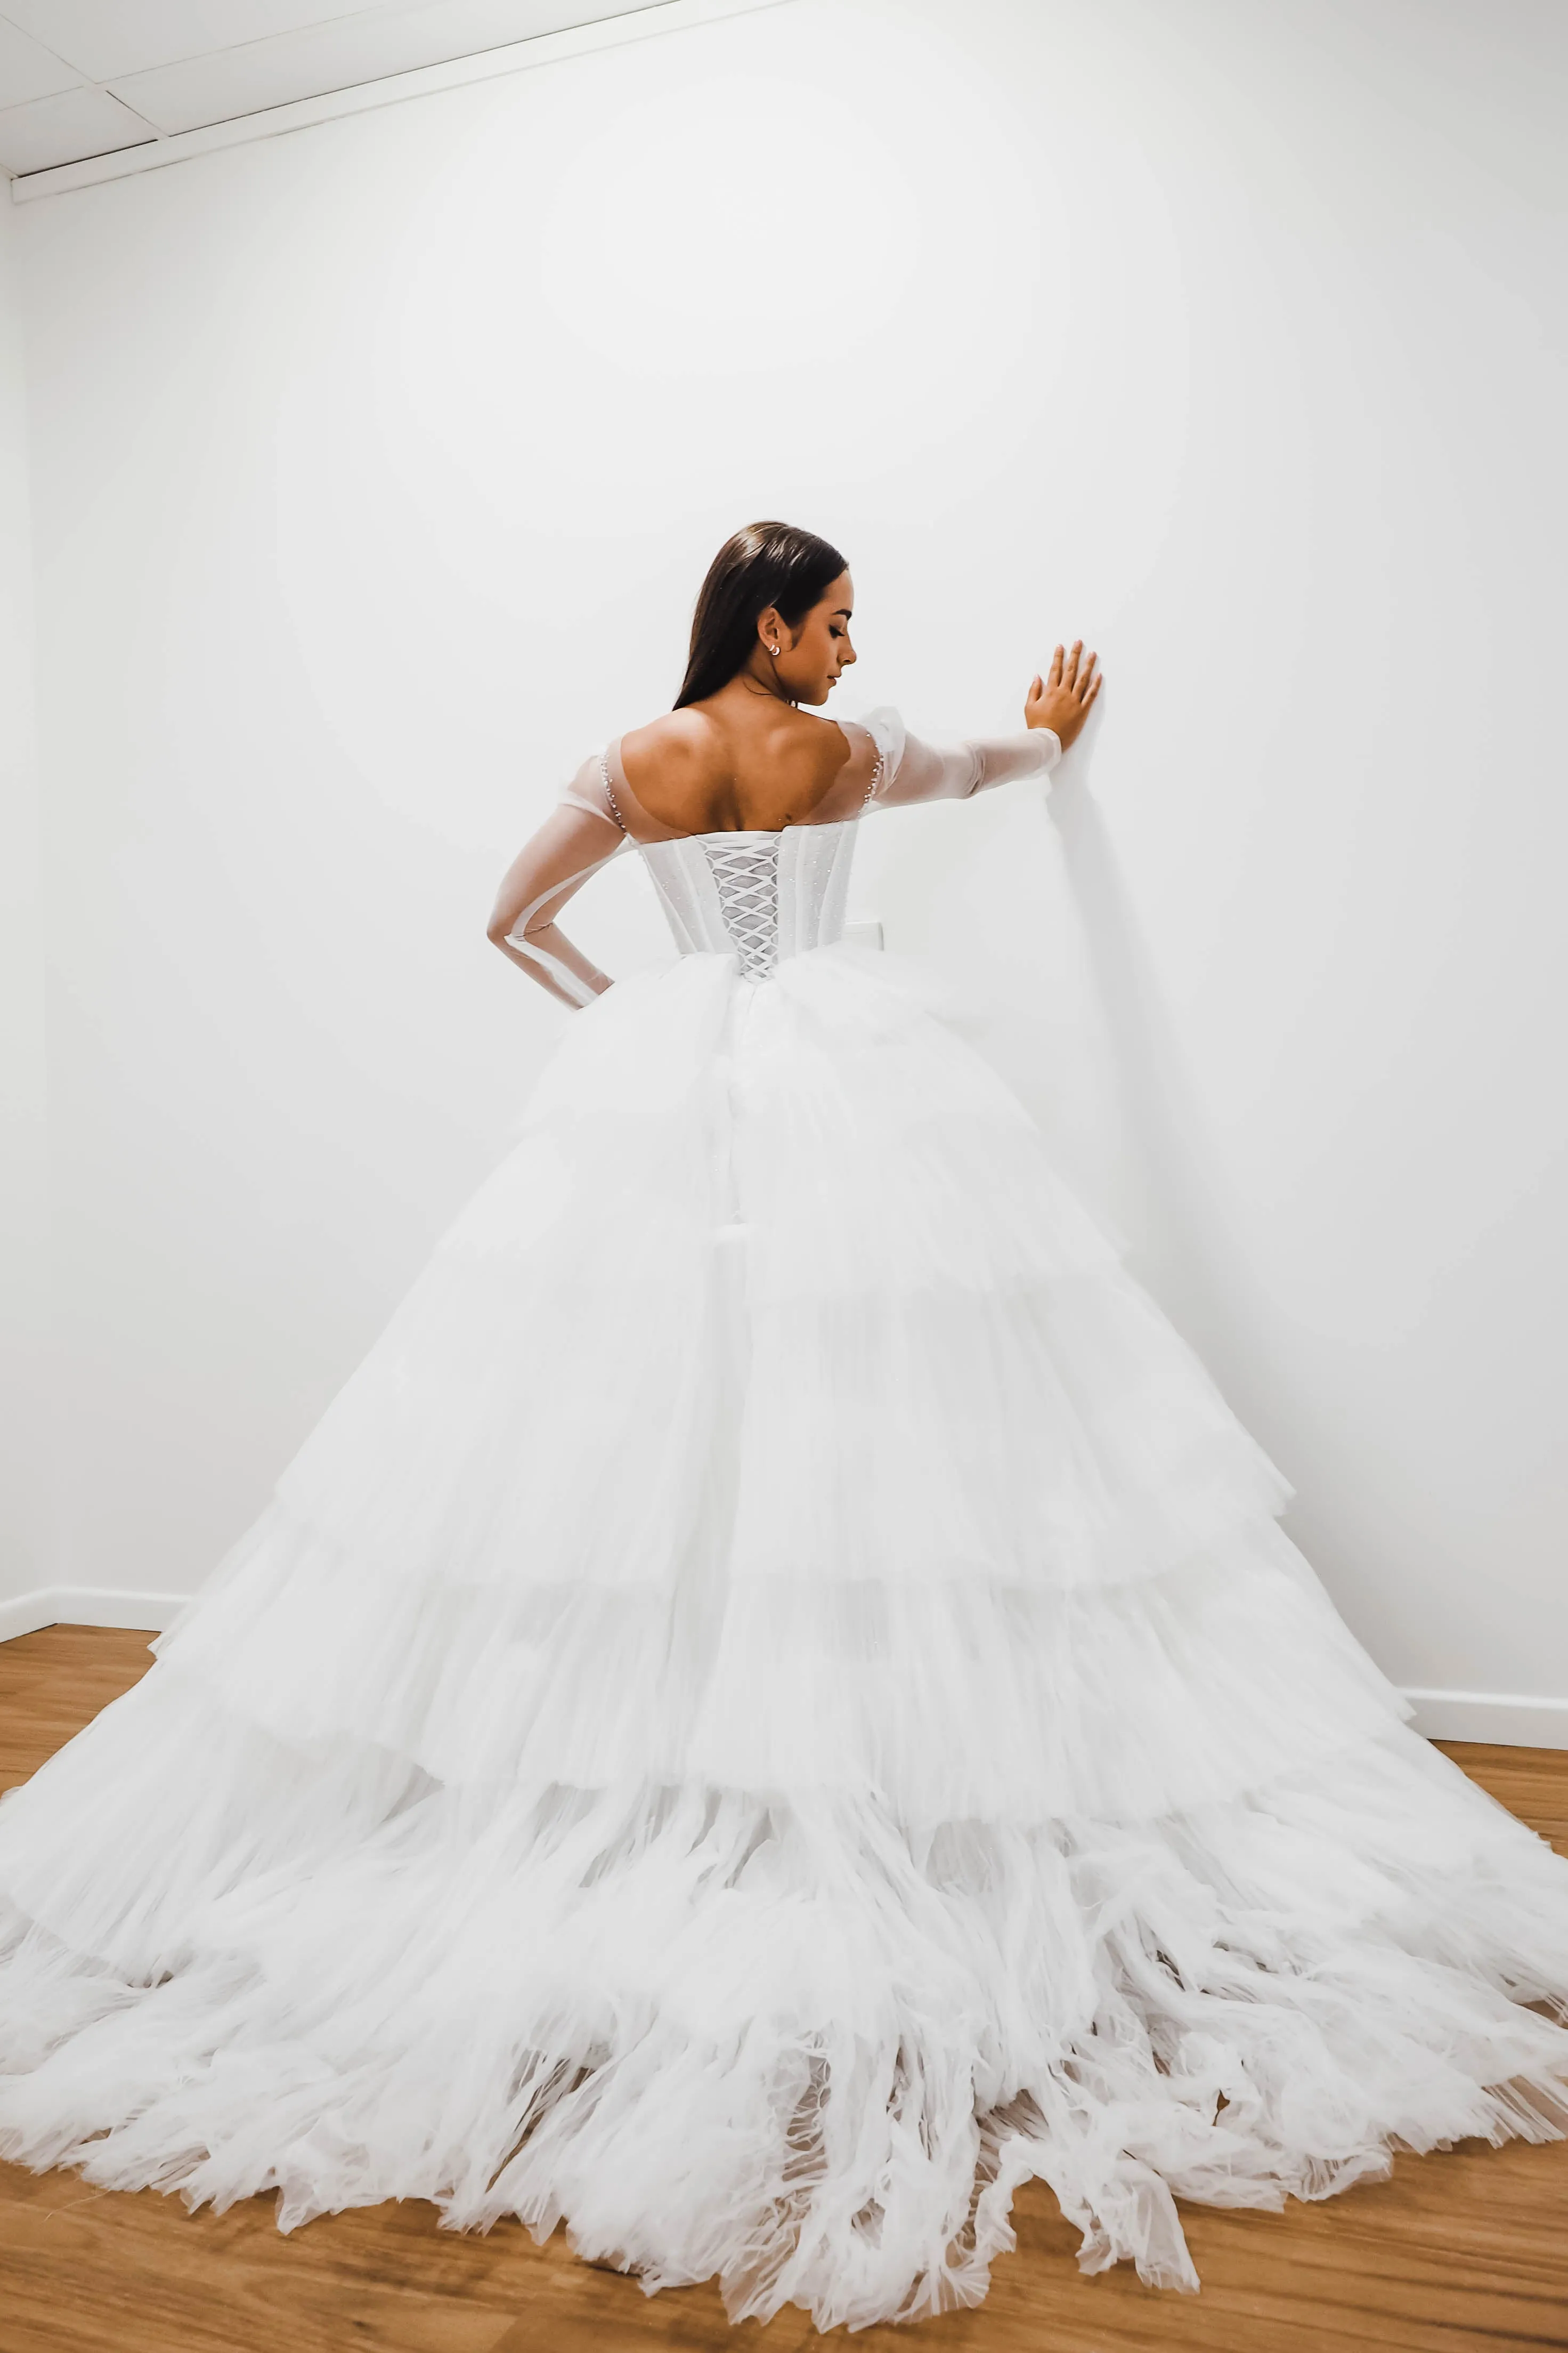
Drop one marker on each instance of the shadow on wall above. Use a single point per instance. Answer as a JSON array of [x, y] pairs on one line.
[[1188, 1228]]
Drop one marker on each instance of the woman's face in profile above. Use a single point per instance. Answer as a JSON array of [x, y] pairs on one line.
[[809, 668]]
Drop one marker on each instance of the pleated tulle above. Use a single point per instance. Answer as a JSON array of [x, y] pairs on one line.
[[772, 1708]]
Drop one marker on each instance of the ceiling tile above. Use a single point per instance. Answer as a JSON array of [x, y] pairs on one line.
[[28, 70], [106, 39], [361, 49], [66, 129]]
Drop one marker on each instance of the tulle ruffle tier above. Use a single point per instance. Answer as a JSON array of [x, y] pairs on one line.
[[782, 2042], [772, 1708]]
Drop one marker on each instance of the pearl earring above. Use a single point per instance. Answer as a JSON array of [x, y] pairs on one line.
[[774, 651]]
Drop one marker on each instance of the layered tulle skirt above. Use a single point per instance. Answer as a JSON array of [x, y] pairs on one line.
[[772, 1707]]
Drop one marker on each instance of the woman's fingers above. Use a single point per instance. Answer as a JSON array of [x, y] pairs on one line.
[[1076, 678]]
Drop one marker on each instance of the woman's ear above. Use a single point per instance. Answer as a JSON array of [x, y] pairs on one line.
[[771, 630]]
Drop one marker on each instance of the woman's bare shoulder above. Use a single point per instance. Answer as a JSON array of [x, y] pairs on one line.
[[695, 734], [698, 767], [675, 737]]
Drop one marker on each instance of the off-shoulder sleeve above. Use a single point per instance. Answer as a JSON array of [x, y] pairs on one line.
[[909, 770], [574, 841], [588, 790]]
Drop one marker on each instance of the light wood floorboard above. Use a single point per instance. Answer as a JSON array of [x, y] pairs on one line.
[[1452, 2254]]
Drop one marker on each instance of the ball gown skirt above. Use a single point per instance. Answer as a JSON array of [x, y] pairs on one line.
[[772, 1707]]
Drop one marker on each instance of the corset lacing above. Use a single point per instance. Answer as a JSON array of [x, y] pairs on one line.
[[746, 876]]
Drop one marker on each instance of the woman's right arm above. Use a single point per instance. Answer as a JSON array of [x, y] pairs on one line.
[[573, 842]]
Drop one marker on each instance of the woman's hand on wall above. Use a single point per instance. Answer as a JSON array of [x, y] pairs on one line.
[[1062, 700]]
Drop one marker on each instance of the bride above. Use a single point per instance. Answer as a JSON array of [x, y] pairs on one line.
[[774, 1705]]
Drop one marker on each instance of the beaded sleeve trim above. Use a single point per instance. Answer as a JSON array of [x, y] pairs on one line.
[[610, 790]]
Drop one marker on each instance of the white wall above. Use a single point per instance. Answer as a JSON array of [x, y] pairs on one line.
[[27, 1553], [374, 469]]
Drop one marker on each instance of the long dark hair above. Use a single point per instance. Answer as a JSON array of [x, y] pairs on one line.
[[766, 563]]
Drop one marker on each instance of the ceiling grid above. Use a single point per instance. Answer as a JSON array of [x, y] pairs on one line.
[[92, 88]]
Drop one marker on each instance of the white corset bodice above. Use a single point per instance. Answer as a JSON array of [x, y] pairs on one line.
[[758, 896]]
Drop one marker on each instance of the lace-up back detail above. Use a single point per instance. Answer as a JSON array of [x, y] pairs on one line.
[[745, 870], [759, 897]]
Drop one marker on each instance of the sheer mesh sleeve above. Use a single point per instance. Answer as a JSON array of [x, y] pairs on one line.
[[589, 789], [578, 836], [912, 770]]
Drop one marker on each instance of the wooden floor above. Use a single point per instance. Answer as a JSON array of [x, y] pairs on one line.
[[1455, 2251]]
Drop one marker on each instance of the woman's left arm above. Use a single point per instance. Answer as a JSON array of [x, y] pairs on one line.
[[1055, 710]]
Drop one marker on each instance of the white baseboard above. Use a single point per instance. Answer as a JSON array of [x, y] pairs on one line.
[[1510, 1719], [87, 1605]]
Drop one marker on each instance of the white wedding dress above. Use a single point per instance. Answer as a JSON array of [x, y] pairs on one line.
[[772, 1707]]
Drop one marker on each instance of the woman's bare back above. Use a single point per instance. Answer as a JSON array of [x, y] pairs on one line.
[[713, 768]]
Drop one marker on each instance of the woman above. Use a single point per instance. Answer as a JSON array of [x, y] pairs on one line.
[[774, 1705]]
